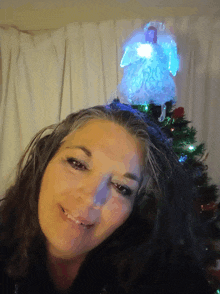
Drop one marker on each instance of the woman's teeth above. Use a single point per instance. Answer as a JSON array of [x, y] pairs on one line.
[[69, 216], [72, 218]]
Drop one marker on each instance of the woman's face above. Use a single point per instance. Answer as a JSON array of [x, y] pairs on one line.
[[87, 178]]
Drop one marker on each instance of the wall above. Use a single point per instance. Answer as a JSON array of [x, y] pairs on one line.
[[51, 14]]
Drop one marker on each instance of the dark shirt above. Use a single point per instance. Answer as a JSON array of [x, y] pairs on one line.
[[92, 280]]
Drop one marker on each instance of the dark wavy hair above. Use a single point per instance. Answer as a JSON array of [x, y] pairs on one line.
[[163, 220]]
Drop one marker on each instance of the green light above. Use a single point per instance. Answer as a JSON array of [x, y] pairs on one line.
[[191, 147], [146, 107]]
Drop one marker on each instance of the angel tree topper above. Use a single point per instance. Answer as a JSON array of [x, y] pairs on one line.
[[150, 60]]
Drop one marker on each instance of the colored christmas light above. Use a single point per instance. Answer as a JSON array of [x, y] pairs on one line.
[[183, 158], [191, 148]]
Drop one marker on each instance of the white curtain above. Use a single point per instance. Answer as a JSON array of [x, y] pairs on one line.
[[46, 76]]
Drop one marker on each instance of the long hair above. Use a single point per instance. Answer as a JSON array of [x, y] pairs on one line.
[[162, 216]]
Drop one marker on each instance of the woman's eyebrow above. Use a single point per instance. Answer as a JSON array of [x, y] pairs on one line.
[[132, 177], [89, 154], [83, 148]]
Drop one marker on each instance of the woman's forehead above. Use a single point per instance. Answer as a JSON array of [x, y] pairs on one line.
[[103, 132], [106, 137]]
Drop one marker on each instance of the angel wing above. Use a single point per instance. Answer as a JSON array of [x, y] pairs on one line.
[[169, 46], [131, 55]]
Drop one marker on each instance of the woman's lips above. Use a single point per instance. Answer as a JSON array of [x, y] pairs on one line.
[[79, 222]]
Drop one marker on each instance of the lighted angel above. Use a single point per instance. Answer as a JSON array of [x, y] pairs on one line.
[[150, 60]]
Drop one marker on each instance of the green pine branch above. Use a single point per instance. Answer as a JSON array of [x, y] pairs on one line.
[[185, 145]]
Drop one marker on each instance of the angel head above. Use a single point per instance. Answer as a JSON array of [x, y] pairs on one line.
[[151, 35]]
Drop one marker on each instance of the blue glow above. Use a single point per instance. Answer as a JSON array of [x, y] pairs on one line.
[[148, 68], [145, 50], [170, 50], [183, 158], [148, 79], [146, 107], [130, 56], [174, 61]]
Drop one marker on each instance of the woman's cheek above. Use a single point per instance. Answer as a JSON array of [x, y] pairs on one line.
[[112, 217], [117, 210], [63, 180]]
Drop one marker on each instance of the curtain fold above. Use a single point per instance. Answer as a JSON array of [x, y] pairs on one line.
[[47, 76]]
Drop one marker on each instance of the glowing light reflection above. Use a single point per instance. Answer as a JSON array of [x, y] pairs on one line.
[[145, 50]]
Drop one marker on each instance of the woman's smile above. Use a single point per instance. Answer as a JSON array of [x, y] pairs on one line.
[[73, 221]]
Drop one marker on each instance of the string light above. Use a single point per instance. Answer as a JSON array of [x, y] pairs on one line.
[[191, 147], [182, 158]]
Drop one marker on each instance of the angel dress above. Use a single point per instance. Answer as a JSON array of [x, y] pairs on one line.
[[147, 77]]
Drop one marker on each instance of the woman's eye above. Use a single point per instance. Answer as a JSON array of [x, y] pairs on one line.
[[123, 190], [76, 164]]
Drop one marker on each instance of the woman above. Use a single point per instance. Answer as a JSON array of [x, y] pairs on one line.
[[101, 205]]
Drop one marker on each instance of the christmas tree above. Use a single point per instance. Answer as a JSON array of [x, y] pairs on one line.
[[191, 154], [150, 62]]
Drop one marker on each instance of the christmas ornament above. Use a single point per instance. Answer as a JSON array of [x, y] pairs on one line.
[[178, 113], [150, 57]]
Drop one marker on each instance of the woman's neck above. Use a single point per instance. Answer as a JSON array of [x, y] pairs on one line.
[[63, 272]]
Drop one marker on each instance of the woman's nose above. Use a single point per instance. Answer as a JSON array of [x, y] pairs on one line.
[[101, 195], [97, 191], [93, 197]]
